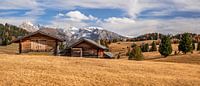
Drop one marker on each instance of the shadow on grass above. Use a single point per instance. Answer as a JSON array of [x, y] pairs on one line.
[[159, 57]]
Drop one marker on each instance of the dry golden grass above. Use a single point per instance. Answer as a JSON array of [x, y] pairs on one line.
[[42, 70], [189, 58], [10, 49], [23, 70]]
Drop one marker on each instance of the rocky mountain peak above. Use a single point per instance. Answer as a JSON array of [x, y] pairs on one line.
[[30, 27]]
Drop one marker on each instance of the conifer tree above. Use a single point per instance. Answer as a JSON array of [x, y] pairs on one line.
[[185, 44], [165, 47], [136, 54], [145, 47], [153, 46]]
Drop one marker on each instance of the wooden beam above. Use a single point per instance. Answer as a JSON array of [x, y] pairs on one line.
[[97, 53], [56, 48], [20, 47], [81, 52]]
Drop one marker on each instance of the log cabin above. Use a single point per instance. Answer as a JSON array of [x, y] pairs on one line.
[[38, 41], [87, 48]]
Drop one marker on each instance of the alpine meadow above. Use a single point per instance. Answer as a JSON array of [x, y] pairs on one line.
[[99, 43]]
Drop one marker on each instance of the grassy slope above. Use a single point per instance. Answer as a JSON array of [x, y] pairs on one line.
[[10, 49], [49, 70]]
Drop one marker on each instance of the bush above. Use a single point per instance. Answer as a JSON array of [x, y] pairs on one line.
[[193, 46], [198, 46], [145, 47], [5, 42], [153, 46], [129, 50], [165, 47], [136, 54], [133, 45], [185, 44]]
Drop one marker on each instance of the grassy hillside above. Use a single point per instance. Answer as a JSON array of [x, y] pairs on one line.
[[122, 48], [50, 70], [31, 69]]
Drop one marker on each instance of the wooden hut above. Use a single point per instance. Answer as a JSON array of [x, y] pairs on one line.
[[87, 48], [38, 41]]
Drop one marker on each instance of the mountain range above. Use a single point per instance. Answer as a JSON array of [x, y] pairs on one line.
[[73, 33]]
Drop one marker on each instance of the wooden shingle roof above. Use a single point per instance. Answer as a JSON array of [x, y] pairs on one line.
[[89, 41], [38, 32]]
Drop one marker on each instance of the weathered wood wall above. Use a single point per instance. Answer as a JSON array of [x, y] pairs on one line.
[[89, 50], [49, 45]]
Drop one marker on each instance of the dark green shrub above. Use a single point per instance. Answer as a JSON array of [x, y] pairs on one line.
[[153, 46], [198, 46], [185, 44], [145, 47], [165, 47], [136, 54], [193, 46]]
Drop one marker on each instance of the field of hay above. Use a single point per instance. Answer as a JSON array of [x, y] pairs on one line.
[[43, 70], [25, 70]]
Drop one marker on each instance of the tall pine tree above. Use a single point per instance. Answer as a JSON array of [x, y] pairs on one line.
[[165, 47], [153, 46], [145, 47], [185, 44]]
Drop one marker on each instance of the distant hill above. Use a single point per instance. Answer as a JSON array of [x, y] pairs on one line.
[[148, 36], [156, 36], [10, 32]]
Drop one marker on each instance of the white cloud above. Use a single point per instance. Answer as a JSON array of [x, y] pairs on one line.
[[92, 17], [32, 7], [115, 20], [18, 4], [139, 27], [59, 15], [35, 12], [16, 20], [128, 25], [8, 13], [132, 7], [76, 16], [66, 23], [125, 26], [72, 18]]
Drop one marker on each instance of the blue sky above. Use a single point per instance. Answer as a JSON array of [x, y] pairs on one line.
[[126, 17]]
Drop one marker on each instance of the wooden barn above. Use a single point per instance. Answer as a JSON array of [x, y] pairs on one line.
[[38, 41], [87, 48]]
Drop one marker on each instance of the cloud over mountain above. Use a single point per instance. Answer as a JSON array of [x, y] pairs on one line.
[[127, 17]]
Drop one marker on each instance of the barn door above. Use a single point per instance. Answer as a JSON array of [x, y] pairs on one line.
[[76, 52]]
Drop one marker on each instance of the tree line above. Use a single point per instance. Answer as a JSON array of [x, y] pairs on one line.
[[10, 32], [186, 44]]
